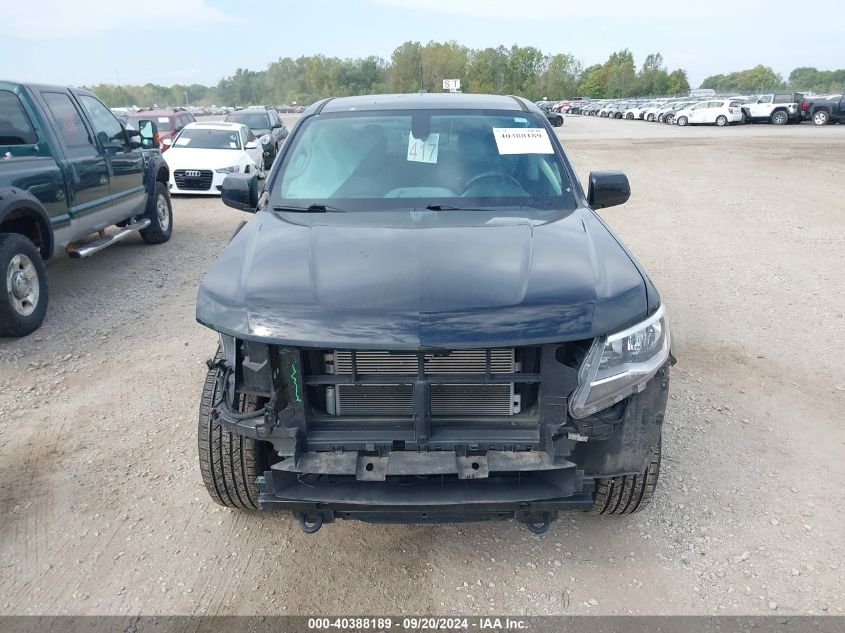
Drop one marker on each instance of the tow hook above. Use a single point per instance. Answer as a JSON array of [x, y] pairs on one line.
[[538, 522], [310, 525]]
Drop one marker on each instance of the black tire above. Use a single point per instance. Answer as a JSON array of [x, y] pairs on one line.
[[721, 120], [22, 310], [558, 121], [650, 118], [821, 118], [160, 214], [629, 116], [229, 462], [780, 117], [629, 493], [682, 121]]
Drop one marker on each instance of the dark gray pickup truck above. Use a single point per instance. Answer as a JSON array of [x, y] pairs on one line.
[[824, 110], [69, 170]]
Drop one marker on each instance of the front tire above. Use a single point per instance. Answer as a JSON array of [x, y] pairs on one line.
[[23, 296], [682, 121], [650, 118], [160, 214], [229, 462], [627, 494]]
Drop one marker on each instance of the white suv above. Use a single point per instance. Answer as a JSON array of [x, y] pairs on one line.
[[780, 108], [722, 112]]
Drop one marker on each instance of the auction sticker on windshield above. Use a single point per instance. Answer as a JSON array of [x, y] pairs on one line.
[[423, 151], [522, 140]]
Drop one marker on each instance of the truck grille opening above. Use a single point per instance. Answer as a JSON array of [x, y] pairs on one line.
[[395, 396]]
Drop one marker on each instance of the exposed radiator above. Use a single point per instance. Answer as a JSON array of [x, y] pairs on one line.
[[445, 399]]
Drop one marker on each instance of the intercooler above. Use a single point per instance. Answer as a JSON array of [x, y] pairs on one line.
[[395, 396]]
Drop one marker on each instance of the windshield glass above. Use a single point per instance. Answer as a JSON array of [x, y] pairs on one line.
[[412, 159], [253, 120], [198, 138]]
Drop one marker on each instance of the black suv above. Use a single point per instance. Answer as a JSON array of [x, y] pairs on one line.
[[426, 320], [267, 126]]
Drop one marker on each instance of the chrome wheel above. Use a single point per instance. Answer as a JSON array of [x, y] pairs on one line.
[[820, 118], [22, 285], [162, 212]]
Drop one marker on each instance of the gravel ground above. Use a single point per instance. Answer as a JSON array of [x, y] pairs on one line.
[[102, 509]]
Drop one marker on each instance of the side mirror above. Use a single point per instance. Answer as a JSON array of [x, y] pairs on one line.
[[240, 191], [276, 126], [251, 145], [608, 189]]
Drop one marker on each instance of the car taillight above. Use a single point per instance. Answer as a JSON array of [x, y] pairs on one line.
[[804, 104]]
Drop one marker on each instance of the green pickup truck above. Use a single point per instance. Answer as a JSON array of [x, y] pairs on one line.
[[74, 180]]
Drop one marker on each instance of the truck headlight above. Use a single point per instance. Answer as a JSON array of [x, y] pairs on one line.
[[620, 364], [227, 170]]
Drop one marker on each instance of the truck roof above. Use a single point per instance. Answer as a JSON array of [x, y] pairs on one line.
[[422, 101], [17, 85]]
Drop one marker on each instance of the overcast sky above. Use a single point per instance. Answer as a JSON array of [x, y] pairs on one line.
[[200, 41]]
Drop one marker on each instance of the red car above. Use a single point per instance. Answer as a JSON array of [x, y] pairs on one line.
[[168, 122]]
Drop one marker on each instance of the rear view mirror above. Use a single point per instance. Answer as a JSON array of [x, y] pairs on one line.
[[608, 189], [240, 191]]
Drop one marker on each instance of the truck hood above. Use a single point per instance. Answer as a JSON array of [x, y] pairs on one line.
[[421, 280]]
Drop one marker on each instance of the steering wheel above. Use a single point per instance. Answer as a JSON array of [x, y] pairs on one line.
[[491, 175]]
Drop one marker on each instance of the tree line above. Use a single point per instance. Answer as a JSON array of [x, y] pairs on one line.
[[763, 79], [520, 70]]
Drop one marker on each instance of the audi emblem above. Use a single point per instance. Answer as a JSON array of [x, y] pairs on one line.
[[193, 173]]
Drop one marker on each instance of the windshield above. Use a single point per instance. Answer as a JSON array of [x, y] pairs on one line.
[[413, 159], [253, 120], [199, 138]]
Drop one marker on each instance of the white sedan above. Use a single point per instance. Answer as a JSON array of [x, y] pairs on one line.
[[203, 154], [638, 111], [722, 112]]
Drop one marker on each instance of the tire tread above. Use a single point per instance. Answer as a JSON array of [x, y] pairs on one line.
[[229, 463], [627, 494]]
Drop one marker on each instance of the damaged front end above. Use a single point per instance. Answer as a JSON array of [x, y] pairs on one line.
[[436, 435]]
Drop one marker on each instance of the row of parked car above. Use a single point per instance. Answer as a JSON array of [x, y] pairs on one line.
[[201, 154], [778, 108]]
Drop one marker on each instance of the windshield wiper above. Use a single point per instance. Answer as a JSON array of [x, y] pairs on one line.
[[314, 208], [449, 207]]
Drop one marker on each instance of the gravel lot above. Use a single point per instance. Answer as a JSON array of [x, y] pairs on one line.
[[102, 509]]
